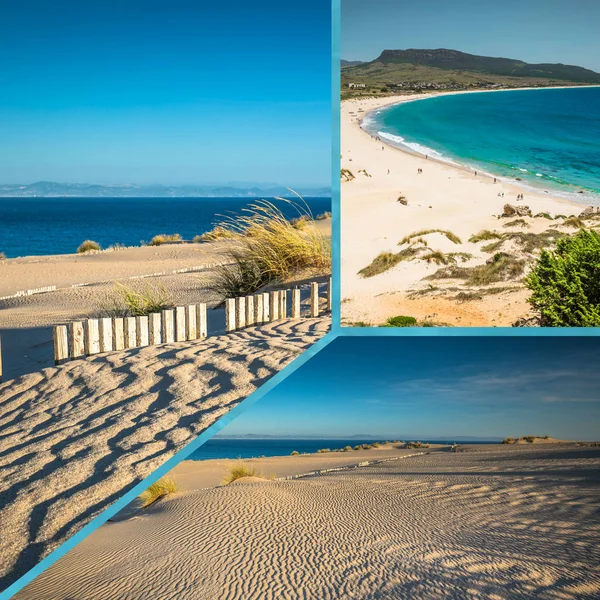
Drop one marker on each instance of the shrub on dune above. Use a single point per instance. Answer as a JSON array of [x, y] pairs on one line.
[[565, 283], [162, 488], [88, 246], [268, 248], [240, 469], [295, 453], [2, 256]]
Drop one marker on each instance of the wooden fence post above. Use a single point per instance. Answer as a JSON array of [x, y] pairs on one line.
[[283, 304], [296, 303], [250, 320], [106, 335], [240, 312], [76, 340], [266, 307], [92, 337], [61, 344], [191, 322], [230, 314], [314, 299], [168, 326], [130, 332], [274, 302], [155, 324], [201, 321], [143, 334], [259, 311], [329, 295], [180, 318], [119, 333]]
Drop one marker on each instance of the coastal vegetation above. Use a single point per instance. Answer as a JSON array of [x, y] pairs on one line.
[[2, 256], [268, 248], [417, 234], [88, 246], [240, 469], [565, 282], [162, 488], [165, 238], [126, 301]]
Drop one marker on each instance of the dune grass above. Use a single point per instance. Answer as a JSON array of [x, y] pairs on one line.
[[162, 488], [269, 248], [88, 246], [518, 223], [346, 175], [126, 301], [485, 235], [240, 469], [164, 238], [451, 236], [2, 256], [387, 260], [401, 321], [574, 222], [217, 233], [501, 267], [323, 216]]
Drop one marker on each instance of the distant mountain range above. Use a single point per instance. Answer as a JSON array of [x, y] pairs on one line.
[[350, 63], [451, 69], [357, 436], [51, 189]]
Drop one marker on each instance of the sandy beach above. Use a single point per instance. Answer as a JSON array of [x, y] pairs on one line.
[[493, 522], [442, 196], [85, 282], [77, 436]]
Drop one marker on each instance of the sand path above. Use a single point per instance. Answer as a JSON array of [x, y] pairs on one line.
[[441, 197], [493, 523], [76, 437]]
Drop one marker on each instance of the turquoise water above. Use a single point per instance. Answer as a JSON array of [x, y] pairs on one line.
[[549, 138]]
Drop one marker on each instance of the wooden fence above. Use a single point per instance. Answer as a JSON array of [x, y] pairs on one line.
[[182, 323]]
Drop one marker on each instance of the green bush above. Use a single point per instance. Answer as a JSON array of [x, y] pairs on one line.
[[88, 246], [401, 321], [566, 282]]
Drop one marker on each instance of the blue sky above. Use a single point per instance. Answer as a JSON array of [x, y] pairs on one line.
[[174, 92], [437, 387], [536, 31]]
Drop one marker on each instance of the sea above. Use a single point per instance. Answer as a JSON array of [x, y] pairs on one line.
[[43, 226], [549, 138], [254, 447]]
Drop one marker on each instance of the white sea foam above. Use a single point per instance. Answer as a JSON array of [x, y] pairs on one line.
[[398, 139]]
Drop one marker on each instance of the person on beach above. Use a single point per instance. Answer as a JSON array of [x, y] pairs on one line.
[[494, 180]]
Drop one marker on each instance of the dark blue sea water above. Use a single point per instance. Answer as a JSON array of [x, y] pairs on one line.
[[252, 448], [41, 226], [547, 137]]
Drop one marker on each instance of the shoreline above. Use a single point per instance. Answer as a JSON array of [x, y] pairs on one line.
[[525, 186], [436, 196]]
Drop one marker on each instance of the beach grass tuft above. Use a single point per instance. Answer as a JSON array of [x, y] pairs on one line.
[[401, 321], [126, 301], [269, 248], [164, 238], [518, 223], [451, 236], [501, 267], [485, 235], [88, 246], [217, 233], [240, 469], [162, 488], [2, 256], [574, 222], [323, 216]]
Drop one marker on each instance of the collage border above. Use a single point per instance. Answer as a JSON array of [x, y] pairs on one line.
[[336, 331]]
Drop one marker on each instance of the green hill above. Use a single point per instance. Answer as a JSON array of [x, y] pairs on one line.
[[441, 69]]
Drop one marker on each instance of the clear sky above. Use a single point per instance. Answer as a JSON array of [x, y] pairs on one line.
[[537, 31], [437, 387], [174, 92]]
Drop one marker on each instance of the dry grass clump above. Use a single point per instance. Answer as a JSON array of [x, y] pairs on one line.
[[217, 233], [518, 223], [387, 260], [323, 450], [294, 453], [239, 470], [164, 238], [2, 256], [451, 236], [574, 222], [323, 216], [162, 488], [346, 175], [269, 248], [88, 246], [485, 235], [126, 301], [501, 267]]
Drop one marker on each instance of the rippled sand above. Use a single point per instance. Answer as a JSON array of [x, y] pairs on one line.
[[495, 523], [76, 437]]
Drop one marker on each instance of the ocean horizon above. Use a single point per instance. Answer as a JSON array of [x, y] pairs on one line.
[[46, 226], [548, 138], [256, 447]]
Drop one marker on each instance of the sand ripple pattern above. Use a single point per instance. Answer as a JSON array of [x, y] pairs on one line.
[[490, 525], [75, 437]]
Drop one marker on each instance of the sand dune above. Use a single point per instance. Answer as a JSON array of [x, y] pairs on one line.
[[493, 523], [75, 437], [444, 197]]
